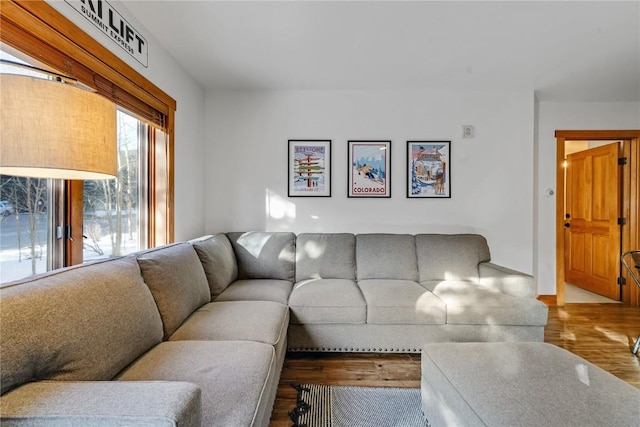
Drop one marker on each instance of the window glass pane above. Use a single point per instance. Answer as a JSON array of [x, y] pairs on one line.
[[115, 209], [24, 226]]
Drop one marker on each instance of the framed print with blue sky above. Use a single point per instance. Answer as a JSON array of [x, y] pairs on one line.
[[369, 164]]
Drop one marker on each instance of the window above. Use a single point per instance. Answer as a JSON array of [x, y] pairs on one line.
[[47, 224], [114, 210]]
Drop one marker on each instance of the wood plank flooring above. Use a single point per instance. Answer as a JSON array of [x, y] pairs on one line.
[[600, 333]]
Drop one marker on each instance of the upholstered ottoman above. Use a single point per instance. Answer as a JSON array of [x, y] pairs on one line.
[[521, 384]]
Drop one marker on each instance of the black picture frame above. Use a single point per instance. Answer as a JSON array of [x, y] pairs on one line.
[[428, 169], [309, 168], [369, 168]]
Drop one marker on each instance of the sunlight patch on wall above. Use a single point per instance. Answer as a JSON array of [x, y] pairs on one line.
[[278, 207]]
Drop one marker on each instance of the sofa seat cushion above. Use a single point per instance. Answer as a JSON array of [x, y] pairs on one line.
[[83, 323], [401, 301], [177, 281], [473, 304], [257, 290], [102, 404], [261, 321], [327, 301], [232, 375]]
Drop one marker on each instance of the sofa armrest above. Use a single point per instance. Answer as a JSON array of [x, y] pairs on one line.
[[102, 404], [506, 280]]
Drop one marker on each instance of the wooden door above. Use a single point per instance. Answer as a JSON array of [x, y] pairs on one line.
[[592, 232]]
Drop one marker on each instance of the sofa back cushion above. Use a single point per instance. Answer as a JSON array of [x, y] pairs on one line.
[[386, 256], [218, 260], [264, 255], [83, 323], [177, 282], [325, 256], [451, 256]]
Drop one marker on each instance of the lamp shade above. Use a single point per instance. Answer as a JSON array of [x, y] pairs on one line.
[[55, 130]]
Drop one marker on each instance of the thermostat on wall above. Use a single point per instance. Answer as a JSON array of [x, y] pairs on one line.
[[467, 131]]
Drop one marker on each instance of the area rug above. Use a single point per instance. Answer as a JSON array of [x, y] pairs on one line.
[[347, 406]]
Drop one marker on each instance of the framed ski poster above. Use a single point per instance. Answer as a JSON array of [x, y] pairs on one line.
[[428, 169], [369, 168], [309, 168]]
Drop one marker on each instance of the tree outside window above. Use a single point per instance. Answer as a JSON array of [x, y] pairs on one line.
[[112, 207]]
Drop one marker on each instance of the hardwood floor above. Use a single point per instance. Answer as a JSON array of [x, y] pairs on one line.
[[600, 333]]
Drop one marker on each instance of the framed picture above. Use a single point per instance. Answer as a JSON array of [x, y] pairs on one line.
[[369, 165], [309, 168], [428, 169]]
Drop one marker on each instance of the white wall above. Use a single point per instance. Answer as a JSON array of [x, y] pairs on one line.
[[566, 116], [166, 73], [491, 174], [242, 160]]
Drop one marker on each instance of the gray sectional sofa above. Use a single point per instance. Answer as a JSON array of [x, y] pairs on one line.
[[195, 333], [393, 293]]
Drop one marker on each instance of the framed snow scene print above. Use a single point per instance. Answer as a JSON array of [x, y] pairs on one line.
[[428, 169], [369, 165], [309, 168]]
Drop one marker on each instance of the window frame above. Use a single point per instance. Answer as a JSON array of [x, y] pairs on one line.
[[41, 32]]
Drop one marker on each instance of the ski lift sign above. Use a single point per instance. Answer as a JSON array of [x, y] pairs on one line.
[[309, 168], [112, 24]]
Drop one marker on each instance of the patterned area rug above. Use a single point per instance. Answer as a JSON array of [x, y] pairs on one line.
[[342, 406]]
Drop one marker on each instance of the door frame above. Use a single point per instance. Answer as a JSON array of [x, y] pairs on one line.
[[630, 200]]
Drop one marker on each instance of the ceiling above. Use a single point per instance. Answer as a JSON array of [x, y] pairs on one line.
[[564, 50]]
